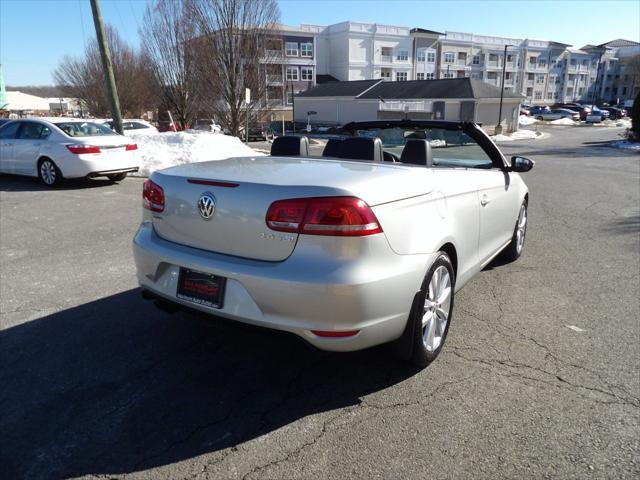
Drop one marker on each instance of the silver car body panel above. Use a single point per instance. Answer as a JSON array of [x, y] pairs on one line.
[[299, 283]]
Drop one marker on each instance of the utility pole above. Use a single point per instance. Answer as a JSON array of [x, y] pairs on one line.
[[504, 69], [108, 67]]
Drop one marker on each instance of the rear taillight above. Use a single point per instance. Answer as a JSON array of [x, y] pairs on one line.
[[131, 146], [152, 196], [80, 149], [337, 216]]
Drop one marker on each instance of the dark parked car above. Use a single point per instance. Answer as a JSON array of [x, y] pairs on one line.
[[4, 120], [260, 132], [539, 109], [616, 113]]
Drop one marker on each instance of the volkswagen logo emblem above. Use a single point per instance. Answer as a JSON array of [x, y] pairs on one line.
[[206, 206]]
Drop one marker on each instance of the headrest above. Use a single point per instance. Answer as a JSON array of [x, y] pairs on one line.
[[361, 148], [290, 146], [417, 152], [332, 148]]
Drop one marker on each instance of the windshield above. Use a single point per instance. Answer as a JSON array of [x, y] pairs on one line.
[[450, 148], [85, 129]]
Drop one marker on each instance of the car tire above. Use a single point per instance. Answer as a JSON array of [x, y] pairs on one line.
[[49, 173], [431, 313], [539, 118], [117, 177], [513, 251]]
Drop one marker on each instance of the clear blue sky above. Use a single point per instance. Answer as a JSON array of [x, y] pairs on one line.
[[36, 34]]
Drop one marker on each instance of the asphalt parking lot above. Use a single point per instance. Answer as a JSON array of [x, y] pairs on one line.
[[538, 379]]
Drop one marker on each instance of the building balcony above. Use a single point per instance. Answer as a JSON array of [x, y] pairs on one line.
[[386, 58], [274, 79]]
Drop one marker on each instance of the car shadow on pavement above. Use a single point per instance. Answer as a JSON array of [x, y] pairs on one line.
[[116, 386], [17, 183]]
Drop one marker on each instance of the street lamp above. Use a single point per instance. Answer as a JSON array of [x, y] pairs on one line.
[[498, 129]]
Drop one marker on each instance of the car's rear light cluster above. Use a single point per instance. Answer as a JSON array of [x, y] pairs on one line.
[[80, 149], [152, 196], [335, 334], [131, 146], [336, 216]]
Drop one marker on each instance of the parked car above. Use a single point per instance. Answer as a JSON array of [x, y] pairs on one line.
[[616, 113], [347, 253], [167, 126], [4, 120], [582, 110], [525, 110], [533, 111], [259, 132], [57, 148], [134, 125], [594, 117], [602, 112], [207, 125], [558, 113]]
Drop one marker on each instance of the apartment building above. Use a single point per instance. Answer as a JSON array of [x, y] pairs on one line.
[[544, 72], [290, 64]]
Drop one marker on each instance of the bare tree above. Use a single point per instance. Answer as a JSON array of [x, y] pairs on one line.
[[83, 78], [232, 51], [167, 34]]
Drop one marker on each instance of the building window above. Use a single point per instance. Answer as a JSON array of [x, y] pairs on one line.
[[542, 62], [549, 95], [431, 57], [624, 91], [530, 77], [306, 73], [291, 49], [448, 75], [476, 60], [431, 76], [529, 91], [573, 62], [401, 76], [385, 74], [289, 98], [585, 62], [402, 55], [449, 57], [292, 73], [508, 75], [510, 58], [538, 96], [421, 56], [419, 76], [533, 61], [555, 95], [493, 57], [306, 49], [540, 79]]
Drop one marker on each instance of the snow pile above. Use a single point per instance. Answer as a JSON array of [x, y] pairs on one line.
[[563, 121], [437, 143], [626, 145], [524, 120], [175, 148], [519, 135], [524, 135]]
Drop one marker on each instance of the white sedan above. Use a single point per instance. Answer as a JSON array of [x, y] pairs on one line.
[[365, 245], [56, 148]]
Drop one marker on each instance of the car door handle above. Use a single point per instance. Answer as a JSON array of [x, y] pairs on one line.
[[484, 201]]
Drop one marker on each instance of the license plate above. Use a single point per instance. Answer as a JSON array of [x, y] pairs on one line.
[[201, 288]]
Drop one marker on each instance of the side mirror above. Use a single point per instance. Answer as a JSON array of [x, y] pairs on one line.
[[521, 164]]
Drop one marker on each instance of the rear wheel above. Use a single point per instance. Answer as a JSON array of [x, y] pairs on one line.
[[117, 177], [48, 172], [432, 312], [513, 251], [539, 118]]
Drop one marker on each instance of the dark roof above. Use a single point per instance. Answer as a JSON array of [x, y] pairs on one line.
[[441, 88], [339, 89], [424, 30], [325, 79], [620, 42]]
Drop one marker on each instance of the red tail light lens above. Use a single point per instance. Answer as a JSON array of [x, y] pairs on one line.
[[80, 149], [336, 216], [335, 334], [152, 196], [131, 146]]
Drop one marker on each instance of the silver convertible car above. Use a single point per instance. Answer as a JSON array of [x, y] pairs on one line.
[[364, 245]]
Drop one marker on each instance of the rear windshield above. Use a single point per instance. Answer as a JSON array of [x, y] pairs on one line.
[[84, 129]]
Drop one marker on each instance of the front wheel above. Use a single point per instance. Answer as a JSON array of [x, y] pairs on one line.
[[432, 311], [513, 251], [48, 173]]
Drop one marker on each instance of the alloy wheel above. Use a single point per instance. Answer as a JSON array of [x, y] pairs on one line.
[[48, 172], [521, 228], [437, 306]]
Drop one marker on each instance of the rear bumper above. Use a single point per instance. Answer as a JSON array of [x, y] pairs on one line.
[[362, 285], [112, 172]]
